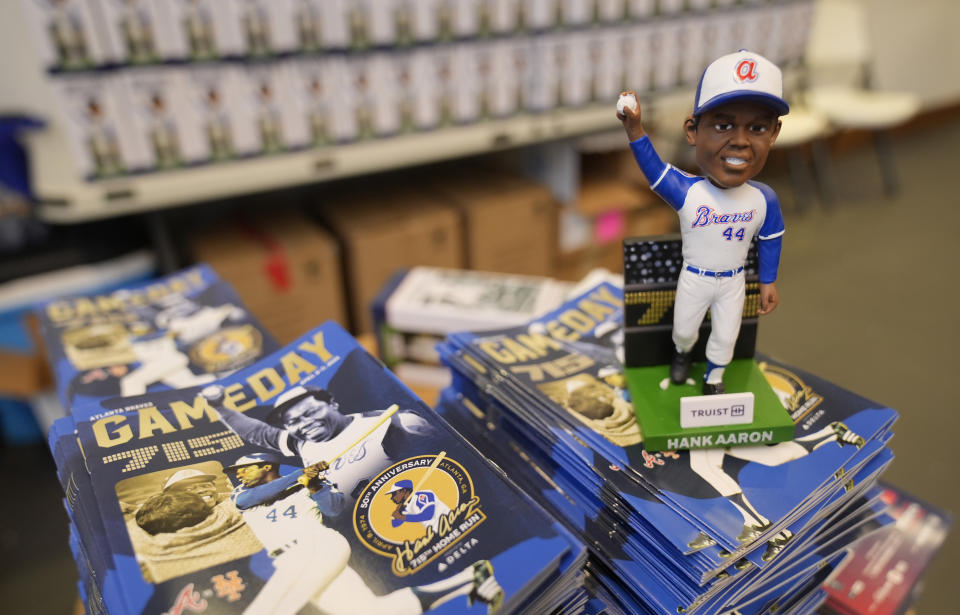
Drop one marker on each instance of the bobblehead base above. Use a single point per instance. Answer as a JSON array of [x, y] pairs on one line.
[[651, 269], [658, 410]]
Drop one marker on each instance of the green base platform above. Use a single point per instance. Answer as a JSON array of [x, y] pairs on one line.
[[658, 411]]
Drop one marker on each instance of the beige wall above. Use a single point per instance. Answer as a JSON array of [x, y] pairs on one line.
[[916, 47]]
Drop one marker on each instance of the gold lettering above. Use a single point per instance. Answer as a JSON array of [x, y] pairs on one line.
[[85, 307], [597, 310], [577, 320], [496, 353], [266, 383], [151, 420], [316, 347], [558, 331], [234, 397], [105, 438], [59, 311], [183, 412], [521, 353], [538, 343], [155, 291], [295, 366], [195, 277], [107, 303], [603, 294], [178, 285]]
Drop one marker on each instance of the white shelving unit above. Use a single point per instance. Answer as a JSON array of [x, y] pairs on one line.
[[64, 199], [65, 196]]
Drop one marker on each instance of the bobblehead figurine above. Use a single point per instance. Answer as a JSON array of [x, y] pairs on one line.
[[734, 123]]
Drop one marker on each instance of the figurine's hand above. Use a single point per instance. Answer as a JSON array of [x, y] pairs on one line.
[[631, 117], [769, 298]]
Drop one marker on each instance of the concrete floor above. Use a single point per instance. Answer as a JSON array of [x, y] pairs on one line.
[[866, 302]]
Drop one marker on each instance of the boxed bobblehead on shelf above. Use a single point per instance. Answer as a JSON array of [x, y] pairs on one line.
[[310, 481]]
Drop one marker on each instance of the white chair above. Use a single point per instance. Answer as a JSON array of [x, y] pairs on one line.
[[838, 73], [800, 128]]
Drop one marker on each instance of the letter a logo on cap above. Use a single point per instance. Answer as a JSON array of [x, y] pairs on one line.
[[740, 76], [746, 71]]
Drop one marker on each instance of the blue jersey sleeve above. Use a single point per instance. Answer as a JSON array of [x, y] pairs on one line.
[[770, 236], [667, 181], [254, 496], [330, 501]]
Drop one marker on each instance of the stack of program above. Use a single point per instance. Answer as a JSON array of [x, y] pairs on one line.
[[207, 469], [751, 529]]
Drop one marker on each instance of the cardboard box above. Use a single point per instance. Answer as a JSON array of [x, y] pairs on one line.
[[510, 222], [657, 219], [614, 205], [576, 264], [23, 375], [386, 230], [616, 164], [286, 269]]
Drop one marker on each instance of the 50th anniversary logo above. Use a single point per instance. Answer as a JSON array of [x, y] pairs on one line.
[[416, 509]]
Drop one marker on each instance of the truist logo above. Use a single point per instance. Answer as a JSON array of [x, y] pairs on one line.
[[188, 600], [746, 71], [706, 217]]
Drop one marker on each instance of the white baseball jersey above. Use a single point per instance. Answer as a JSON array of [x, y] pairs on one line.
[[717, 224], [278, 523], [358, 465]]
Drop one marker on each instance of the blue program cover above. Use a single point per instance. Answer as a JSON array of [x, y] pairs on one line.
[[181, 330], [81, 506], [311, 477], [736, 495]]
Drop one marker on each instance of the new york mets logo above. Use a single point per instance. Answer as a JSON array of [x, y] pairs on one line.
[[746, 71]]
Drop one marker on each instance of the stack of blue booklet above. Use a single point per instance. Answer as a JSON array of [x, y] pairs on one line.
[[750, 529], [208, 470]]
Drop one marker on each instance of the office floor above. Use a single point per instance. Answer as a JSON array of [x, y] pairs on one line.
[[866, 302]]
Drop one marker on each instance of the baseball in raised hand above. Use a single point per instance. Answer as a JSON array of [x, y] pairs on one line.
[[628, 112]]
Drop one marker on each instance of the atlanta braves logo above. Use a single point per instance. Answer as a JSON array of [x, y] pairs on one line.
[[746, 71], [188, 600]]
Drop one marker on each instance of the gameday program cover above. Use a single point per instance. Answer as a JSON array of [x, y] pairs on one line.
[[312, 477], [185, 329]]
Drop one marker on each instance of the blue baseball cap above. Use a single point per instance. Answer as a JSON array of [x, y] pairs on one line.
[[401, 484], [255, 458]]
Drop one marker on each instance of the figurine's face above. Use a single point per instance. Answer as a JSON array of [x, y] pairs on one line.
[[733, 141]]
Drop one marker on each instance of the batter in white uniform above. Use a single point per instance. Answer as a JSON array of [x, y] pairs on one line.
[[734, 124], [306, 422]]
